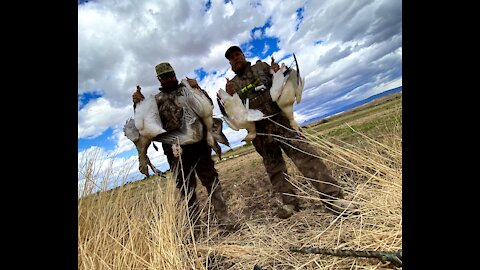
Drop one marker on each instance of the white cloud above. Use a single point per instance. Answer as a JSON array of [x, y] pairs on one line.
[[98, 115], [346, 51]]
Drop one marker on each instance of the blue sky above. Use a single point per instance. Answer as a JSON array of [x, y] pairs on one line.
[[347, 51]]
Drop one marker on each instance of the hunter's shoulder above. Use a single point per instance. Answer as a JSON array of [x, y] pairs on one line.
[[261, 64]]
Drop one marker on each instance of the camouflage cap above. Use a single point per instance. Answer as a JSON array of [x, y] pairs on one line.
[[163, 68], [231, 50]]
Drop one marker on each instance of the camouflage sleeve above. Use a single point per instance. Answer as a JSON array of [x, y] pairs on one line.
[[265, 66], [157, 99]]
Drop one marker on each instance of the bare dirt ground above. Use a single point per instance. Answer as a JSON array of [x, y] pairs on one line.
[[247, 188]]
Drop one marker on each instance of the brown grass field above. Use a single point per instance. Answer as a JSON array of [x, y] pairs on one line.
[[144, 224]]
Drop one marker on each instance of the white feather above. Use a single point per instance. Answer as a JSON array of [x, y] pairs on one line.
[[147, 118], [252, 114], [202, 106], [278, 82], [286, 90], [130, 130], [255, 115], [230, 124], [238, 116], [199, 103]]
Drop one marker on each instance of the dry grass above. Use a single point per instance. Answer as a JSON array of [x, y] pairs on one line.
[[372, 178], [148, 229], [120, 230]]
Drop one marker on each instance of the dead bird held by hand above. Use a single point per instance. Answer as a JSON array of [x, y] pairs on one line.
[[287, 87], [203, 107], [132, 133], [237, 115]]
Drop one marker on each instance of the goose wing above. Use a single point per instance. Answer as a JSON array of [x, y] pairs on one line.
[[130, 131], [228, 108], [190, 132], [278, 81], [196, 100], [147, 118], [217, 132]]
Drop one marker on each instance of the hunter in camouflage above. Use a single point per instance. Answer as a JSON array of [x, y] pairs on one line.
[[196, 158], [270, 147]]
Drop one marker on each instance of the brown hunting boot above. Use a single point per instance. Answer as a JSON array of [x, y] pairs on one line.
[[341, 206], [287, 205], [220, 207]]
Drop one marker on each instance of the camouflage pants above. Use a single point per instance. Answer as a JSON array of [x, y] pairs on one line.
[[270, 148], [197, 161]]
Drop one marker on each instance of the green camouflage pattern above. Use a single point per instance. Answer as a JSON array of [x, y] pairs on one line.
[[170, 113], [294, 144], [163, 68], [256, 75], [296, 147]]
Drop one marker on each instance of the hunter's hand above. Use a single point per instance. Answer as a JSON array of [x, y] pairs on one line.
[[229, 88], [137, 95], [193, 83], [274, 65], [177, 150]]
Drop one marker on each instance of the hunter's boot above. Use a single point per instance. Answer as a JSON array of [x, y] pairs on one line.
[[219, 205], [287, 205], [341, 206]]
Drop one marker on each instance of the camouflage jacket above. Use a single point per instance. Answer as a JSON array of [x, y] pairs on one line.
[[251, 77], [170, 111], [170, 107]]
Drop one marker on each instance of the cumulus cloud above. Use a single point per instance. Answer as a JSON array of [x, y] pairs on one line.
[[346, 51], [99, 115]]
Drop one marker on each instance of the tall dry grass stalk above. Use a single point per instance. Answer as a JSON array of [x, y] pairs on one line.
[[370, 172], [136, 227], [146, 226], [97, 172]]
